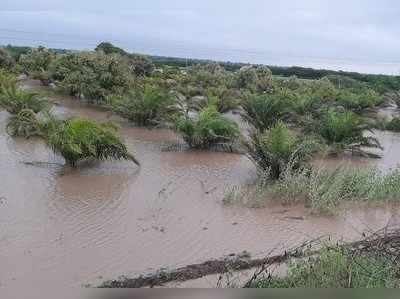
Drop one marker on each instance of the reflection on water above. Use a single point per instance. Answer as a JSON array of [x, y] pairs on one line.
[[63, 227]]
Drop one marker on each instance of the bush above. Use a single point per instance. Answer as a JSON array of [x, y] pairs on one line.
[[275, 149], [147, 107], [78, 139], [208, 129]]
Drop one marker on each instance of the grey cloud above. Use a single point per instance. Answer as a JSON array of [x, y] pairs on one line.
[[356, 35]]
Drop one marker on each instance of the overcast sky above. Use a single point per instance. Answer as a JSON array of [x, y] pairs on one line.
[[360, 35]]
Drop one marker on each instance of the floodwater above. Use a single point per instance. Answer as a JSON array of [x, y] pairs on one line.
[[67, 228]]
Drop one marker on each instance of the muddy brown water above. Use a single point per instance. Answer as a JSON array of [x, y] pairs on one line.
[[66, 228]]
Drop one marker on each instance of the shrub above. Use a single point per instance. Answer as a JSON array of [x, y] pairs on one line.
[[78, 139], [208, 129], [275, 149], [147, 107]]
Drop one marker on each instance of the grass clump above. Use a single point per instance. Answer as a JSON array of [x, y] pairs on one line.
[[324, 191], [208, 129], [336, 267]]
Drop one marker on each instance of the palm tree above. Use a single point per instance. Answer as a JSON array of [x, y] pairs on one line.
[[79, 139], [344, 131], [24, 124], [264, 111], [14, 100], [208, 129], [274, 150]]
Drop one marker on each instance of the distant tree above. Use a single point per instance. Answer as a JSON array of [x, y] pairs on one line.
[[109, 48]]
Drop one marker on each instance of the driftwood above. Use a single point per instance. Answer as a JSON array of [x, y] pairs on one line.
[[232, 263], [386, 242]]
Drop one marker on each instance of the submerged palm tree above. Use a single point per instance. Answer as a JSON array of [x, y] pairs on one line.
[[24, 124], [273, 150], [264, 111], [345, 131], [79, 139], [14, 100]]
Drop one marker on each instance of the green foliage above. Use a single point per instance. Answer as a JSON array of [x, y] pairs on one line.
[[15, 100], [264, 111], [7, 62], [140, 65], [393, 125], [24, 124], [345, 131], [277, 148], [222, 98], [109, 48], [147, 107], [360, 100], [7, 81], [36, 63], [208, 129], [336, 267], [325, 191], [78, 139], [92, 76]]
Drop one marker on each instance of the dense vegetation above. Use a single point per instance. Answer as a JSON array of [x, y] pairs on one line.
[[291, 117]]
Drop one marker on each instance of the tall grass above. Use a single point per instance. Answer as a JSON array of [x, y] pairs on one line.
[[325, 191], [336, 267]]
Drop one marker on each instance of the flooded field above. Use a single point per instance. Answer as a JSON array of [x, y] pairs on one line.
[[62, 228]]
